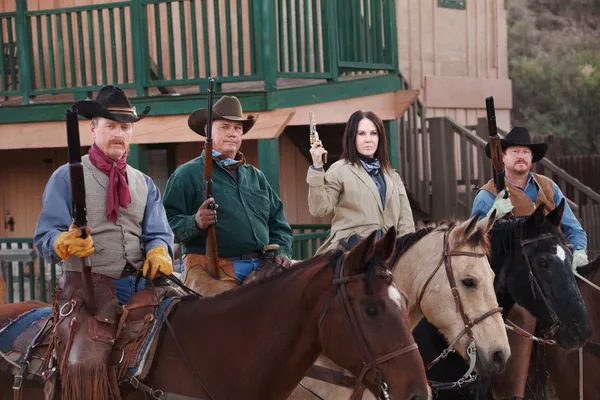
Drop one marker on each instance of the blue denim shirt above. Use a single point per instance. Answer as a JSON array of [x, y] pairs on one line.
[[56, 217], [570, 225]]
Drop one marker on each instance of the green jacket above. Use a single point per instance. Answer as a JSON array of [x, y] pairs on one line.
[[250, 214]]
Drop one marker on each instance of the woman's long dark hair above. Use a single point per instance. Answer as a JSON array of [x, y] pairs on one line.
[[350, 152]]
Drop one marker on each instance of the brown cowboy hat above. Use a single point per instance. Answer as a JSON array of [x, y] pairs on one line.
[[111, 103], [519, 136], [228, 108]]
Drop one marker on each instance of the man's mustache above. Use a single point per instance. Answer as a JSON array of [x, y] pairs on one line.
[[117, 141]]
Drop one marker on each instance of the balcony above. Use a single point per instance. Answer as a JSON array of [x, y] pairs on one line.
[[270, 53]]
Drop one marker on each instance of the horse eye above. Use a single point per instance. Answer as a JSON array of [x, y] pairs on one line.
[[544, 265], [371, 311], [469, 283]]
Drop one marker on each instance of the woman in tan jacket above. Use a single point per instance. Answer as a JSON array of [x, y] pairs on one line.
[[361, 189]]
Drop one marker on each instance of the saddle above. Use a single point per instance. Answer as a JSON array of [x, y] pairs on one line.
[[88, 355]]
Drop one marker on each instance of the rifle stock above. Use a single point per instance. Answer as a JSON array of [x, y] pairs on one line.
[[212, 251], [495, 145], [78, 206]]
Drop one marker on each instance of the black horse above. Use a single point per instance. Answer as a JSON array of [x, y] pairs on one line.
[[530, 259]]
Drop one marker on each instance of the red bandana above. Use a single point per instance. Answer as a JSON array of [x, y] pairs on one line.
[[118, 189]]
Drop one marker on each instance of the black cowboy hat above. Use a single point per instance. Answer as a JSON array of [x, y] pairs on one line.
[[228, 108], [111, 103], [519, 136]]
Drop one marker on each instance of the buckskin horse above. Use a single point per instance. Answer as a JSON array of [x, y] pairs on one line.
[[447, 277], [257, 341], [563, 365], [533, 269]]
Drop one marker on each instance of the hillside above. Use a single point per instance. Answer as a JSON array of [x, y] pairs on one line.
[[554, 63]]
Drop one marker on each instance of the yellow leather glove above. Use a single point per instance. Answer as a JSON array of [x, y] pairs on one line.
[[157, 259], [70, 243]]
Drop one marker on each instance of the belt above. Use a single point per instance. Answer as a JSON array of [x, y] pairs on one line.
[[128, 270], [247, 256]]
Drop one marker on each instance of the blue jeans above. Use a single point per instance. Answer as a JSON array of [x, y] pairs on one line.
[[125, 287]]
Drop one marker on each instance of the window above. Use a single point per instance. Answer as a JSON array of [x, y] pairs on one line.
[[457, 4]]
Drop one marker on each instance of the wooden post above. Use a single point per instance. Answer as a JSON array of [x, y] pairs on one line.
[[392, 136], [269, 42], [23, 29], [443, 169], [268, 161], [138, 157]]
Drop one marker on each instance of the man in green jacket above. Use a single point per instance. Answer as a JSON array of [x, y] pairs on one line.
[[250, 214]]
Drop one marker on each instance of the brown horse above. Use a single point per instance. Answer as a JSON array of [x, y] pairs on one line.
[[257, 341], [563, 365], [427, 265]]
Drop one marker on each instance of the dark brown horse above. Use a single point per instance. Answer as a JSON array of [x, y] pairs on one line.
[[563, 365], [258, 341]]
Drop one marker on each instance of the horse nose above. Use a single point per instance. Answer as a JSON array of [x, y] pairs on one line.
[[581, 332], [420, 396], [499, 360]]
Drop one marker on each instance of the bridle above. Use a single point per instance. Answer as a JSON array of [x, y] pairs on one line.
[[471, 347], [368, 361], [535, 286]]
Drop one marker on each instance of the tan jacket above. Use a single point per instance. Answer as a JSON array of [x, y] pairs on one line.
[[349, 192]]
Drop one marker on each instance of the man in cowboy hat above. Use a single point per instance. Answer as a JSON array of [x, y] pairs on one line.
[[250, 216], [527, 190], [128, 231]]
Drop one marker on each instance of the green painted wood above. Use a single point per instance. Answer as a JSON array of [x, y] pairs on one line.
[[22, 32], [315, 33], [10, 292], [11, 51], [123, 30], [41, 65], [254, 33], [392, 38], [377, 30], [290, 35], [456, 4], [307, 49], [281, 34], [50, 49], [102, 47], [71, 48], [2, 72], [205, 38], [138, 157], [21, 277], [307, 75], [268, 161], [183, 34], [228, 41], [82, 66], [240, 36], [269, 44], [139, 64], [366, 32], [92, 43], [158, 41], [61, 50], [298, 29], [171, 40], [218, 49], [195, 59], [331, 42], [113, 45], [393, 139], [52, 11], [364, 66], [42, 278]]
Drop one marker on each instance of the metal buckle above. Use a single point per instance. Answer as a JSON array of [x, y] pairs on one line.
[[18, 382], [134, 382], [72, 303]]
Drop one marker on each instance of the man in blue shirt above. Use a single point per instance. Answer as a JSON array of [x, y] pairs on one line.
[[527, 191]]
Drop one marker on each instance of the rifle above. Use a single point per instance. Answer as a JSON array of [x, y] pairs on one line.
[[495, 145], [78, 207], [212, 252], [314, 136]]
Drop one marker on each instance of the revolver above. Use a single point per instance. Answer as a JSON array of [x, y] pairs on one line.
[[314, 136]]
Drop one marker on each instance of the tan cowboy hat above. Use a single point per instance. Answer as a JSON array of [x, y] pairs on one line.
[[228, 108], [111, 103]]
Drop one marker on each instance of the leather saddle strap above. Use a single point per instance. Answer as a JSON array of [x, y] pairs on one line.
[[156, 393], [592, 347]]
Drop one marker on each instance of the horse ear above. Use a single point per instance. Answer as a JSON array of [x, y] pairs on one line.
[[555, 216], [358, 256], [534, 222], [384, 247], [487, 223], [468, 227]]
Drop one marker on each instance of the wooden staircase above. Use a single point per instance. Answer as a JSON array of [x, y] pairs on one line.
[[443, 164]]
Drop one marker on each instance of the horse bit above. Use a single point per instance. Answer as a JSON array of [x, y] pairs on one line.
[[471, 347], [339, 288]]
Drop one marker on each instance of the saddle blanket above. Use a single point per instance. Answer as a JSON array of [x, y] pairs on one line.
[[16, 336]]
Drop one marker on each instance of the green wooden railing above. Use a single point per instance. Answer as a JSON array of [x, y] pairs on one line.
[[26, 281], [36, 279], [144, 44]]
